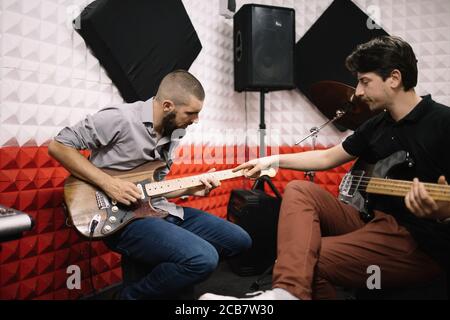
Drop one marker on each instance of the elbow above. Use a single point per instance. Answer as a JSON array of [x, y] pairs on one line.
[[326, 161], [53, 148], [324, 165], [334, 157]]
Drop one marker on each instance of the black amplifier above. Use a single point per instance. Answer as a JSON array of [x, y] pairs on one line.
[[257, 213]]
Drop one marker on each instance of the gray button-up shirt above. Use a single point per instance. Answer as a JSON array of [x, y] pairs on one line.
[[122, 137]]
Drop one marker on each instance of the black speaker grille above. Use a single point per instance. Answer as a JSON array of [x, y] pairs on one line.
[[264, 39]]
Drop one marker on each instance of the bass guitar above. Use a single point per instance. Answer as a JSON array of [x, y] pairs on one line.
[[364, 179]]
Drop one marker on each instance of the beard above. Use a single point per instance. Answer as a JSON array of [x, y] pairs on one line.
[[168, 124]]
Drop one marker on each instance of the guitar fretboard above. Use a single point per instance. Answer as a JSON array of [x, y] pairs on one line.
[[166, 186], [401, 188]]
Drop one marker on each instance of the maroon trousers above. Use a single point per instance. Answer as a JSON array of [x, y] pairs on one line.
[[323, 243]]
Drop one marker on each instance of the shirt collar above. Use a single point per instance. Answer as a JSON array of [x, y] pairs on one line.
[[147, 118], [417, 113], [147, 111]]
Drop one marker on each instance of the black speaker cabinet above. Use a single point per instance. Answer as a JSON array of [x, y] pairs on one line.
[[320, 54], [264, 38], [139, 41], [257, 213]]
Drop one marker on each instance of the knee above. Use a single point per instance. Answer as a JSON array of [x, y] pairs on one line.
[[299, 186], [246, 242], [299, 189], [204, 262], [242, 242], [208, 263]]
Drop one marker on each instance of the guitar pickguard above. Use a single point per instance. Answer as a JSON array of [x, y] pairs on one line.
[[350, 189], [119, 214]]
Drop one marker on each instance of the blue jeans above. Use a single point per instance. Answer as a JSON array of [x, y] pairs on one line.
[[183, 252]]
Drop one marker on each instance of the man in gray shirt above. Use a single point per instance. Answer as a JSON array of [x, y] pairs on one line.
[[184, 248]]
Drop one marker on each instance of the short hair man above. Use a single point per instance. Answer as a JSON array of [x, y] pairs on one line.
[[183, 248]]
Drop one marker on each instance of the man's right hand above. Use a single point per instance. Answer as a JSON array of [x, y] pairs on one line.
[[122, 191], [252, 168]]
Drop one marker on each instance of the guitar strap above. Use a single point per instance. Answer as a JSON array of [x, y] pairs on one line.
[[166, 152]]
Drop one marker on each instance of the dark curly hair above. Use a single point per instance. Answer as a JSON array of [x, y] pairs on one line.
[[382, 55]]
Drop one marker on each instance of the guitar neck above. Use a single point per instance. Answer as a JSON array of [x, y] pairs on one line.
[[166, 186], [401, 188]]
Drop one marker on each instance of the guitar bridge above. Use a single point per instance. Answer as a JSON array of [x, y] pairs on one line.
[[102, 200], [350, 183]]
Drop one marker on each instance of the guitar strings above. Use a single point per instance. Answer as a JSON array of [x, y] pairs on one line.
[[400, 188], [220, 174], [397, 185], [370, 180]]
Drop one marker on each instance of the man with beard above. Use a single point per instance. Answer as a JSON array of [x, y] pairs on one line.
[[322, 242], [183, 248]]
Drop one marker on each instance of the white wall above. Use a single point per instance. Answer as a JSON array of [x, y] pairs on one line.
[[49, 80]]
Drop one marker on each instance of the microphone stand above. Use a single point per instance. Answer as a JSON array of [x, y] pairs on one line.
[[314, 135], [315, 131]]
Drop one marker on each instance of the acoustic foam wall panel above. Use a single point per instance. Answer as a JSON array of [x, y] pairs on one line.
[[320, 54], [138, 42]]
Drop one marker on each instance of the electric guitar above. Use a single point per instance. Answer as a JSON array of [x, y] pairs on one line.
[[364, 179], [95, 215]]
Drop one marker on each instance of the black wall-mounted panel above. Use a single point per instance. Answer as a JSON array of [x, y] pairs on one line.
[[320, 54], [139, 41]]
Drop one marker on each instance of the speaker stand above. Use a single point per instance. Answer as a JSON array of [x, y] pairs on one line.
[[262, 125]]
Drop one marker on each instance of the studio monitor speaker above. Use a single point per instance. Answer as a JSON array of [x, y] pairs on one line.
[[264, 38]]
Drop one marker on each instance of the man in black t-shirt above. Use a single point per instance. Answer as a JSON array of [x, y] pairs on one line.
[[322, 242]]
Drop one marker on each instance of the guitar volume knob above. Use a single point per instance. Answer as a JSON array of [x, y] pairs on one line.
[[114, 209], [107, 228], [112, 219]]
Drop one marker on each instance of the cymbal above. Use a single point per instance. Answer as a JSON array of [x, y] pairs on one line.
[[331, 96]]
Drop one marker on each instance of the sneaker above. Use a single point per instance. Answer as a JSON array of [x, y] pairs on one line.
[[274, 294]]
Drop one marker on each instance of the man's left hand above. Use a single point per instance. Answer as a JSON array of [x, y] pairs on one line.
[[209, 183], [420, 203]]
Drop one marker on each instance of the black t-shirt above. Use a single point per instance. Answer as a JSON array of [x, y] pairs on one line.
[[425, 134]]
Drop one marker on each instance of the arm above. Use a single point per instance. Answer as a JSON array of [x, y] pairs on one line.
[[303, 161], [120, 190], [77, 165], [316, 160], [187, 192]]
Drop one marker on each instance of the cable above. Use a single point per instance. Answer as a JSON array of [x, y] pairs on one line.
[[92, 226]]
